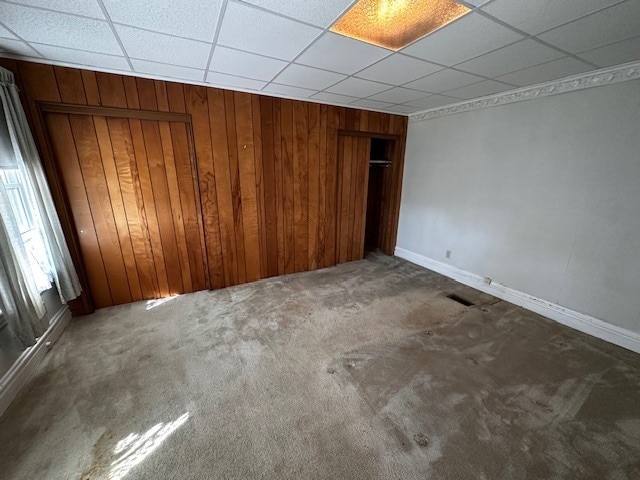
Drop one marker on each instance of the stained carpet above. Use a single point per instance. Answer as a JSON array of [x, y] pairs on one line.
[[362, 371]]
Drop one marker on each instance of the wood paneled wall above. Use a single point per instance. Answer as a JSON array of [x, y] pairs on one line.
[[267, 167], [353, 182], [137, 218]]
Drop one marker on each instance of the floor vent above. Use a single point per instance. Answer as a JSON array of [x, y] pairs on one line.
[[459, 299]]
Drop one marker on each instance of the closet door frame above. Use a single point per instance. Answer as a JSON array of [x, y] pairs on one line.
[[85, 303], [392, 206]]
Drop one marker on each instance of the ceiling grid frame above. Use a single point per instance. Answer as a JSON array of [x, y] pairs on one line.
[[384, 94]]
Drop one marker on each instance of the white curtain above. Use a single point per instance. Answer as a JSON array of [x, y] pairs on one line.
[[28, 261]]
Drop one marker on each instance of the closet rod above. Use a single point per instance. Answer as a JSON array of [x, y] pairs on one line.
[[384, 163]]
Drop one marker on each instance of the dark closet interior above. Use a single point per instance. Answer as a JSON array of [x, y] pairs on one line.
[[379, 176]]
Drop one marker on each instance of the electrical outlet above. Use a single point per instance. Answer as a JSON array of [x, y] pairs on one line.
[[487, 280], [448, 255]]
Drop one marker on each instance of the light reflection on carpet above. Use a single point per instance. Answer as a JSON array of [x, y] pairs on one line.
[[159, 301], [136, 447]]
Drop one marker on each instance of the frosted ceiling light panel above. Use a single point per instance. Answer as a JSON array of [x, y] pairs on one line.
[[394, 24]]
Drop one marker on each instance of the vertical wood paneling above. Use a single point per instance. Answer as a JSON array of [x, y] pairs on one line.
[[102, 173], [105, 140], [288, 184], [155, 156], [131, 92], [128, 181], [278, 181], [331, 210], [345, 154], [269, 233], [65, 151], [256, 115], [222, 177], [248, 197], [113, 92], [278, 189], [147, 201], [374, 122], [322, 188], [360, 205], [175, 203], [161, 95], [353, 179], [313, 170], [189, 187], [234, 176], [90, 84], [301, 184], [354, 161], [191, 208], [385, 216], [350, 119], [111, 89], [93, 175], [70, 85]]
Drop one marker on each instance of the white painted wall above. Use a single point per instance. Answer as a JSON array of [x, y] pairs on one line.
[[543, 196]]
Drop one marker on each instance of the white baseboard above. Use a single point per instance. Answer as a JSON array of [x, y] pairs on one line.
[[571, 318], [24, 367]]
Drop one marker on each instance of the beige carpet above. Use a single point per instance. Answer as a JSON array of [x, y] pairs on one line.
[[362, 371]]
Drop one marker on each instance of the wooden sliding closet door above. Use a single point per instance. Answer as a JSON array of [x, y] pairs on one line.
[[353, 181], [131, 185]]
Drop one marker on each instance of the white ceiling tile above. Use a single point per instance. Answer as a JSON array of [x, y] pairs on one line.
[[614, 54], [87, 8], [59, 29], [433, 101], [398, 69], [537, 16], [357, 87], [616, 23], [333, 98], [341, 54], [397, 95], [253, 30], [231, 81], [4, 33], [509, 59], [480, 89], [157, 47], [321, 14], [288, 90], [187, 18], [402, 109], [477, 3], [83, 58], [444, 80], [244, 64], [603, 32], [168, 71], [308, 77], [366, 103], [16, 47], [546, 72], [467, 37]]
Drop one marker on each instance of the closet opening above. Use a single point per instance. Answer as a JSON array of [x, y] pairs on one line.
[[369, 175], [378, 193]]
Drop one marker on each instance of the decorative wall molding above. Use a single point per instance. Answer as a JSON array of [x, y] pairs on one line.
[[25, 366], [595, 78], [566, 316]]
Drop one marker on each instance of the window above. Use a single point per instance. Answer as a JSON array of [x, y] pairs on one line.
[[17, 197], [13, 182]]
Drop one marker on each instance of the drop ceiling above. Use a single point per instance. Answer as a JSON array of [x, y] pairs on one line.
[[284, 47]]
